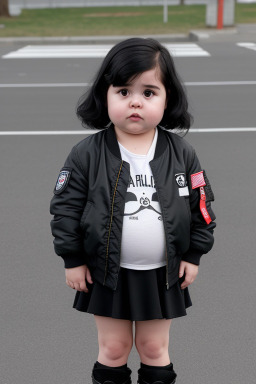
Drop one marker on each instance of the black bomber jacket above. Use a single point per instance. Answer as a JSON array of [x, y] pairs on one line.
[[89, 199]]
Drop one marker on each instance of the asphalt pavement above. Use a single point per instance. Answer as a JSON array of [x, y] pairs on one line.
[[43, 340]]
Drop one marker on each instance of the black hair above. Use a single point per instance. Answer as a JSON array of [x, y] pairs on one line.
[[124, 62]]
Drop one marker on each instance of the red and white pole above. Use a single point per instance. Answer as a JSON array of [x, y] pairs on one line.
[[220, 14]]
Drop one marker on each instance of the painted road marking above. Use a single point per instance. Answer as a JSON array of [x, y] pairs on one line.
[[247, 45], [93, 51], [92, 131], [209, 83], [187, 83], [44, 85]]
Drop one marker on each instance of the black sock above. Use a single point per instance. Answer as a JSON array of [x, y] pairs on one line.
[[99, 365], [103, 372], [151, 373], [169, 367]]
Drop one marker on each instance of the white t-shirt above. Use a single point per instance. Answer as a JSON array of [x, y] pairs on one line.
[[143, 238]]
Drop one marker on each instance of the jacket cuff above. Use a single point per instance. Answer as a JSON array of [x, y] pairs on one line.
[[73, 260], [192, 256]]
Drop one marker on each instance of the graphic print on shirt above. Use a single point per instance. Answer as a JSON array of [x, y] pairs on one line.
[[143, 194], [143, 244]]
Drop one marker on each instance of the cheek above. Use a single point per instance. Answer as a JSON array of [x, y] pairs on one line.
[[115, 106], [157, 112], [114, 112], [160, 107], [110, 105]]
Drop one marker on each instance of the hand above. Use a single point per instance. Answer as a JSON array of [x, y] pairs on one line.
[[190, 270], [76, 278]]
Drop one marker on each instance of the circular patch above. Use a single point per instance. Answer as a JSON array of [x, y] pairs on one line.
[[62, 181]]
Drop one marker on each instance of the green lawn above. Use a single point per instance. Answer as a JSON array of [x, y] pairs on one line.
[[113, 20], [245, 13]]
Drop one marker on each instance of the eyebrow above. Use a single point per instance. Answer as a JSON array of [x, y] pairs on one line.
[[151, 86], [144, 85]]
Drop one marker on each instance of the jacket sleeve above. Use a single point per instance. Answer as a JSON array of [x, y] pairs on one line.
[[202, 216], [67, 204]]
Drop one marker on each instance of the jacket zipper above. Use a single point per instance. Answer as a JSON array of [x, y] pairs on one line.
[[166, 269], [110, 224]]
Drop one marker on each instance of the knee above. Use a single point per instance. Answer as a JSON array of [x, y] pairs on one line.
[[116, 349], [151, 349]]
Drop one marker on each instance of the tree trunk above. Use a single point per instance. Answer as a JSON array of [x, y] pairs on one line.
[[4, 8], [182, 2]]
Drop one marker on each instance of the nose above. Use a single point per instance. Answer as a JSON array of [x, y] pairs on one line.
[[135, 103]]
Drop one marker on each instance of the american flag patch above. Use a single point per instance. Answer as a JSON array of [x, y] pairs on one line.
[[197, 180]]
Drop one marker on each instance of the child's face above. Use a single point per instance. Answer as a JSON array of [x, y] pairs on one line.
[[138, 106]]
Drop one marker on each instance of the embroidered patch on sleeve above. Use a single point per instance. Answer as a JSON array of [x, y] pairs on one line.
[[197, 180], [62, 181]]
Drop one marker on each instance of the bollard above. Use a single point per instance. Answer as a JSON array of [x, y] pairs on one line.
[[220, 13]]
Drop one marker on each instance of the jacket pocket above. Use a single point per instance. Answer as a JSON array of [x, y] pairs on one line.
[[86, 211]]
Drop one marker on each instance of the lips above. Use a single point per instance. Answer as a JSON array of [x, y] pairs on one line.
[[135, 117]]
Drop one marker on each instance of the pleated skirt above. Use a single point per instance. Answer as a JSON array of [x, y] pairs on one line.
[[140, 296]]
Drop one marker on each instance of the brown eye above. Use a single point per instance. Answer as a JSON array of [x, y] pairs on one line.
[[123, 92], [148, 93]]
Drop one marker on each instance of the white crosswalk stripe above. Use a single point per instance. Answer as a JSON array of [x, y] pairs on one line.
[[247, 45], [93, 51], [92, 131]]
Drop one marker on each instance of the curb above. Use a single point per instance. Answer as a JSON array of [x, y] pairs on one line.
[[97, 39], [203, 34]]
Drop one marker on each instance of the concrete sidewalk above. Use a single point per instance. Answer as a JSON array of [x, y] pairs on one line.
[[239, 33]]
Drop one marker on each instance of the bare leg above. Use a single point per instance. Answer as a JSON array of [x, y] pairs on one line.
[[115, 340], [152, 341]]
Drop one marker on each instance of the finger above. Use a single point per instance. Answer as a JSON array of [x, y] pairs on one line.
[[83, 287], [77, 286], [188, 280], [184, 285], [70, 284], [182, 270], [88, 276]]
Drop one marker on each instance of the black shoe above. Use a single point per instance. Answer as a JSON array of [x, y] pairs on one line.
[[111, 382], [105, 382], [141, 381]]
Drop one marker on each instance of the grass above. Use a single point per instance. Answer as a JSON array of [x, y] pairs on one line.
[[245, 13], [113, 20]]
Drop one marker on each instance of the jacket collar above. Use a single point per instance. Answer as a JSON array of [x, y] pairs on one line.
[[113, 146]]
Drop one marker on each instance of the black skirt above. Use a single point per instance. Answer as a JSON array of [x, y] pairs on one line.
[[140, 295]]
